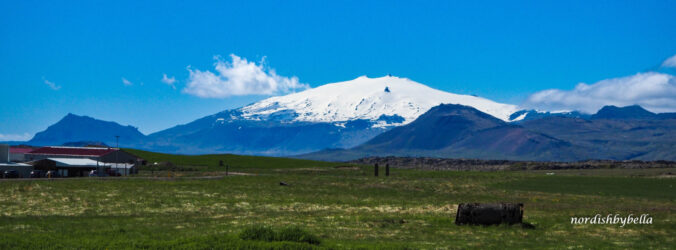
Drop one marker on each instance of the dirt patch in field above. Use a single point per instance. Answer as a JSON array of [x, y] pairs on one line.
[[310, 207], [302, 169], [347, 167]]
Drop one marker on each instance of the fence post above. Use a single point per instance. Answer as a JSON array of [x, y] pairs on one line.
[[387, 169], [376, 170], [226, 169]]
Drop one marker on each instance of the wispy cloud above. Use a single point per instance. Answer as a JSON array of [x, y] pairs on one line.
[[15, 137], [670, 62], [126, 82], [169, 81], [51, 84], [653, 91], [237, 78]]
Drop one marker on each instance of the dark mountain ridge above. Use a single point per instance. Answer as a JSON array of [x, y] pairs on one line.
[[73, 128], [450, 130], [633, 112], [615, 133]]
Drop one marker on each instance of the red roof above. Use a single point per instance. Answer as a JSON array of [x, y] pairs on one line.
[[20, 150], [77, 151]]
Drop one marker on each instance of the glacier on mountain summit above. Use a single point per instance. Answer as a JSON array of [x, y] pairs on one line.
[[367, 99]]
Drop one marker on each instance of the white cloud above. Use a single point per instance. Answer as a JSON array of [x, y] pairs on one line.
[[169, 81], [15, 137], [240, 77], [653, 91], [51, 85], [670, 62], [126, 82]]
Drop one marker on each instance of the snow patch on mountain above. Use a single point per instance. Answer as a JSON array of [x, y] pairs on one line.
[[368, 99]]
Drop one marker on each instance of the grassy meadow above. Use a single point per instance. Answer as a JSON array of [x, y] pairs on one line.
[[337, 205]]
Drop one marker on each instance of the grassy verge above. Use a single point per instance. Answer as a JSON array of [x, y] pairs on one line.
[[341, 206], [235, 162]]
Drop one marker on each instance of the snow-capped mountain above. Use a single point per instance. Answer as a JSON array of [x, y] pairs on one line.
[[369, 99], [334, 115]]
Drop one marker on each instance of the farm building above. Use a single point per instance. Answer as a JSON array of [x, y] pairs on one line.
[[23, 170], [18, 154], [109, 155], [123, 168], [70, 167], [4, 153]]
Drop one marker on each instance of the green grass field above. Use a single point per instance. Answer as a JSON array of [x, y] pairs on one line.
[[342, 206]]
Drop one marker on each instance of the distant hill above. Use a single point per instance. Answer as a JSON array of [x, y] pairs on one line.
[[462, 132], [13, 143], [438, 128], [74, 128], [615, 136], [634, 112], [85, 144]]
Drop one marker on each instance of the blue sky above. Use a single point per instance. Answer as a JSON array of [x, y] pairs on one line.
[[504, 51]]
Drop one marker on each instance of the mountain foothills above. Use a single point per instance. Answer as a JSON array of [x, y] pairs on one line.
[[458, 131], [74, 128], [393, 116]]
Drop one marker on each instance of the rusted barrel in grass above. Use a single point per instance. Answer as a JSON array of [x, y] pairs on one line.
[[489, 214]]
